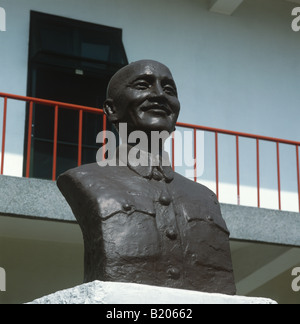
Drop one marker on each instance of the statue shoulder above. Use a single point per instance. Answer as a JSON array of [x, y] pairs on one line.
[[85, 176], [81, 185], [195, 189]]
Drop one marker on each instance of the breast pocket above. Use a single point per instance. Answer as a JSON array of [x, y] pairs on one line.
[[129, 227], [203, 211], [204, 233]]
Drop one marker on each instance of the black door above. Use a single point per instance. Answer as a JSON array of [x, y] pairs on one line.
[[69, 61]]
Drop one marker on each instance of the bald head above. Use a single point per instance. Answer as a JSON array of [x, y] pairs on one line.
[[143, 94], [132, 69]]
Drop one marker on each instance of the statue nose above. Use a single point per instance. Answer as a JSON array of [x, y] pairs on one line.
[[157, 90]]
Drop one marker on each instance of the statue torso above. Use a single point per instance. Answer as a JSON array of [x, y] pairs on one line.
[[149, 231]]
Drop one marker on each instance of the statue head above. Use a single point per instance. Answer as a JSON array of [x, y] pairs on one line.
[[143, 95]]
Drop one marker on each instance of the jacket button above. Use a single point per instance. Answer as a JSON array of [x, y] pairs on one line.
[[209, 218], [165, 200], [127, 207], [173, 273], [171, 234]]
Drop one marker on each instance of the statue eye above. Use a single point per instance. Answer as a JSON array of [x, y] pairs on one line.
[[170, 90], [141, 85]]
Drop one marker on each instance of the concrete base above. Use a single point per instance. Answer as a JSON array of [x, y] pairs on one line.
[[98, 292]]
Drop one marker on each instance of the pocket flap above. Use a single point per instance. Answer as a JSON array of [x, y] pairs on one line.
[[207, 210], [126, 204]]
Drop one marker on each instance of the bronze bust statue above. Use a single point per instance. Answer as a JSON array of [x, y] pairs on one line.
[[145, 223]]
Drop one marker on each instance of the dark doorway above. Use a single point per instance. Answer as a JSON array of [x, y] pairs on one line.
[[69, 61]]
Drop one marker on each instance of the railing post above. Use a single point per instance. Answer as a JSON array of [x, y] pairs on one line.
[[258, 172], [104, 136], [298, 174], [3, 135], [195, 154], [80, 138], [278, 175], [55, 143], [217, 163], [29, 136], [238, 169]]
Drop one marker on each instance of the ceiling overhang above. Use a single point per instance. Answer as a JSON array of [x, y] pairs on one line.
[[294, 1], [225, 7]]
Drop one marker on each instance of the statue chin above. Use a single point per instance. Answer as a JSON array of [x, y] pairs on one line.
[[156, 124]]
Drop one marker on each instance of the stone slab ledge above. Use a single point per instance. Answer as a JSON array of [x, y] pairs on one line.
[[99, 292]]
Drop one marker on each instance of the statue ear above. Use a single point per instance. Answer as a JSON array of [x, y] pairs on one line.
[[110, 111]]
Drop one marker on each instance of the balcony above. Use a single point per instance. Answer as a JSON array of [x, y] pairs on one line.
[[244, 214], [192, 150]]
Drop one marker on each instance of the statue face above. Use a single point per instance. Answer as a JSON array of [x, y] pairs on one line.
[[144, 96]]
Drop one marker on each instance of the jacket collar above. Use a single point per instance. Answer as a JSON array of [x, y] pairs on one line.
[[145, 164]]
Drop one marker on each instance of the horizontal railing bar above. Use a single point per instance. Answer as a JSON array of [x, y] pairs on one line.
[[228, 132], [179, 124], [52, 103]]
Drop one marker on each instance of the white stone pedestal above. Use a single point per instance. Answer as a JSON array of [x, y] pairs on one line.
[[99, 292]]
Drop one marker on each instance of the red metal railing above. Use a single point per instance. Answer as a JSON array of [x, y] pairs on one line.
[[258, 139], [3, 135], [58, 105]]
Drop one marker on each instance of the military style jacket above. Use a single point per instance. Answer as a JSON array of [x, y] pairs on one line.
[[149, 225]]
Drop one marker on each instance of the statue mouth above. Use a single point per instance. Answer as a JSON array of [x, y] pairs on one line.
[[158, 109]]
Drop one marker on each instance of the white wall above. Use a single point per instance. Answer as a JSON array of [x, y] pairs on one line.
[[237, 72]]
